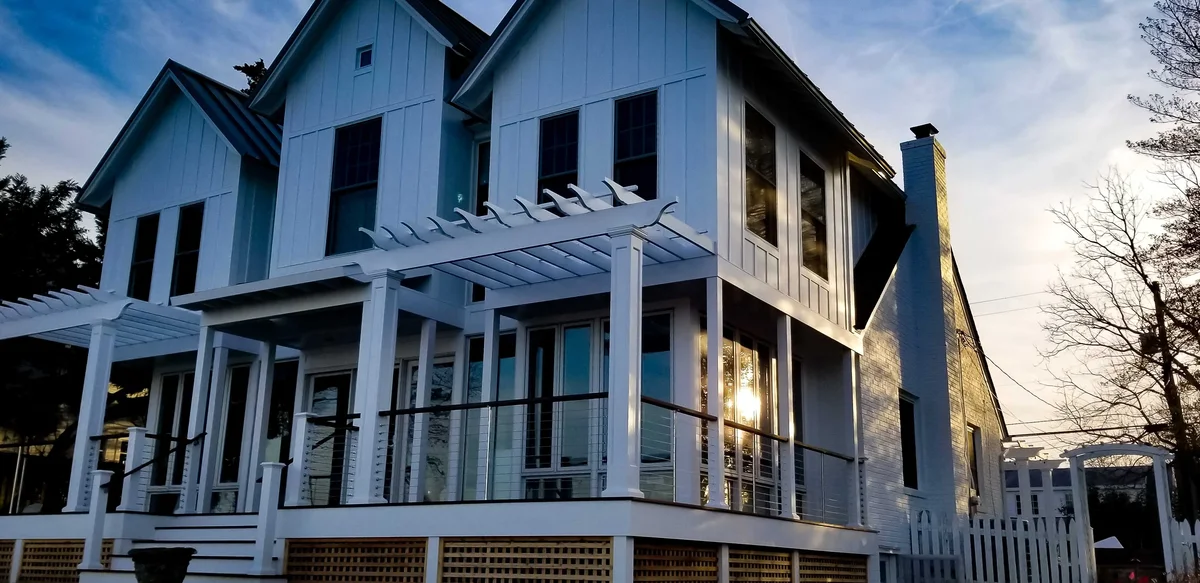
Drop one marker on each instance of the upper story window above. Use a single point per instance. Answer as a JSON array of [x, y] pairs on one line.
[[761, 208], [908, 440], [187, 249], [483, 166], [635, 156], [354, 186], [558, 162], [141, 269], [812, 216], [364, 57], [973, 446]]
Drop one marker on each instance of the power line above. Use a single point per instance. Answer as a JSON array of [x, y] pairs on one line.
[[1088, 430], [1008, 298], [1039, 421], [1007, 311], [1010, 377]]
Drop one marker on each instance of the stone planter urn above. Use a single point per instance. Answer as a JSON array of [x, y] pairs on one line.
[[161, 565]]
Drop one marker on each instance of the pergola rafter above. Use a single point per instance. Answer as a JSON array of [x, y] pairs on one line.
[[67, 316]]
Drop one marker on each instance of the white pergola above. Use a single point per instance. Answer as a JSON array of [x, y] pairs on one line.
[[102, 322]]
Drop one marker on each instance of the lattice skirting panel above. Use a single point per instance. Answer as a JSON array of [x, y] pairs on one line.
[[655, 561], [831, 568], [552, 560], [389, 560], [56, 561], [746, 564], [6, 556]]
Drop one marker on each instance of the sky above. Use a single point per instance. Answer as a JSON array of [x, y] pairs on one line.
[[1029, 96]]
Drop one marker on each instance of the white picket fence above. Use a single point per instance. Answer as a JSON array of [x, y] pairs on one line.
[[993, 550], [1187, 553]]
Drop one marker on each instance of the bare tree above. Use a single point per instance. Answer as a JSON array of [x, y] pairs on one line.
[[1104, 322]]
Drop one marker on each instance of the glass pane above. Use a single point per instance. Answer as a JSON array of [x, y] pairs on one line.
[[181, 431], [166, 426], [539, 417], [812, 216], [656, 356], [437, 434], [231, 450], [577, 380], [760, 176], [348, 211], [330, 398]]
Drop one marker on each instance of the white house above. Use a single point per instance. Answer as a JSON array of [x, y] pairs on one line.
[[439, 305]]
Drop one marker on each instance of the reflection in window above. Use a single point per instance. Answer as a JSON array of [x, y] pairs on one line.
[[354, 186], [761, 209], [812, 216], [558, 162], [635, 156], [235, 416], [473, 418]]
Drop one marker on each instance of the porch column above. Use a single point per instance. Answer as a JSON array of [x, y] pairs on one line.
[[1025, 495], [625, 365], [191, 457], [91, 414], [416, 486], [373, 388], [787, 424], [1081, 527], [715, 325], [685, 352], [850, 372], [491, 372], [260, 423], [1167, 525], [213, 415]]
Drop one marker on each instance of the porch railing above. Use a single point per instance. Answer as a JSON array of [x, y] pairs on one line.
[[555, 448]]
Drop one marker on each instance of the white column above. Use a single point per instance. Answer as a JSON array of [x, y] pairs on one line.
[[297, 478], [416, 486], [268, 516], [457, 396], [14, 574], [787, 425], [1024, 496], [491, 375], [214, 427], [622, 559], [1047, 501], [716, 393], [686, 349], [433, 559], [134, 488], [850, 375], [94, 542], [625, 365], [191, 458], [373, 387], [723, 564], [1166, 521], [1082, 525], [260, 423], [91, 414]]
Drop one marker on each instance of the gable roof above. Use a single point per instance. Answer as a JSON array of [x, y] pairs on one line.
[[226, 108], [983, 360], [473, 91], [449, 27]]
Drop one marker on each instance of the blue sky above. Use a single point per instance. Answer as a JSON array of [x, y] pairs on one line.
[[1029, 96]]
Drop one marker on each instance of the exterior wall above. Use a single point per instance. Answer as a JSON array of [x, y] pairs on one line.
[[404, 85], [778, 266], [181, 160], [583, 55]]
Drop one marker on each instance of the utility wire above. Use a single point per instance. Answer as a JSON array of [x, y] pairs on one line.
[[1010, 377], [1008, 298], [1007, 311], [1069, 431]]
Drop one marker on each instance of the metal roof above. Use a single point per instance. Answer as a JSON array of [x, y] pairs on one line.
[[67, 315], [569, 237]]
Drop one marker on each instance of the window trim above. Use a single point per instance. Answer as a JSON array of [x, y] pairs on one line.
[[201, 204], [337, 191], [358, 53], [800, 219], [133, 261], [915, 401], [974, 445], [749, 103]]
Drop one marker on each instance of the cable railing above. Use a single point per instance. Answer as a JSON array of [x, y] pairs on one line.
[[824, 484]]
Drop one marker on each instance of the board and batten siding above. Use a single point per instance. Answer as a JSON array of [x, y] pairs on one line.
[[584, 55], [180, 160], [404, 85], [778, 266]]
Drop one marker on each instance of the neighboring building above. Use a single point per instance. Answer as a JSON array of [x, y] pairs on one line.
[[1045, 488], [379, 276]]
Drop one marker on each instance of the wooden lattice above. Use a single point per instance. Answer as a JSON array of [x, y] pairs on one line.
[[376, 560], [653, 561], [6, 556], [56, 561], [830, 568], [553, 560], [759, 565]]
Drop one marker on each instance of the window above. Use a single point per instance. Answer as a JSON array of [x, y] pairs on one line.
[[483, 165], [760, 176], [354, 186], [1035, 478], [364, 57], [1033, 504], [558, 162], [812, 216], [908, 439], [1010, 479], [505, 390], [187, 249], [141, 270], [235, 417], [973, 447], [635, 159]]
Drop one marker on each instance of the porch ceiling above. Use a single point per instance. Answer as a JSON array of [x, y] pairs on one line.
[[67, 315], [536, 244]]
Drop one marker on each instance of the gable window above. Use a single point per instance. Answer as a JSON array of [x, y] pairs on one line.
[[354, 186], [760, 176], [364, 57], [635, 159], [908, 439], [141, 269], [812, 216], [973, 446], [558, 160], [187, 249]]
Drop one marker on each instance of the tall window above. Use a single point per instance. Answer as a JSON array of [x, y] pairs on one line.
[[187, 249], [812, 216], [908, 439], [505, 390], [141, 270], [760, 176], [973, 446], [483, 165], [558, 162], [235, 417], [635, 159], [354, 186]]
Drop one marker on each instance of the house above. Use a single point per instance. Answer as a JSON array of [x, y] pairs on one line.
[[612, 293], [1038, 486]]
